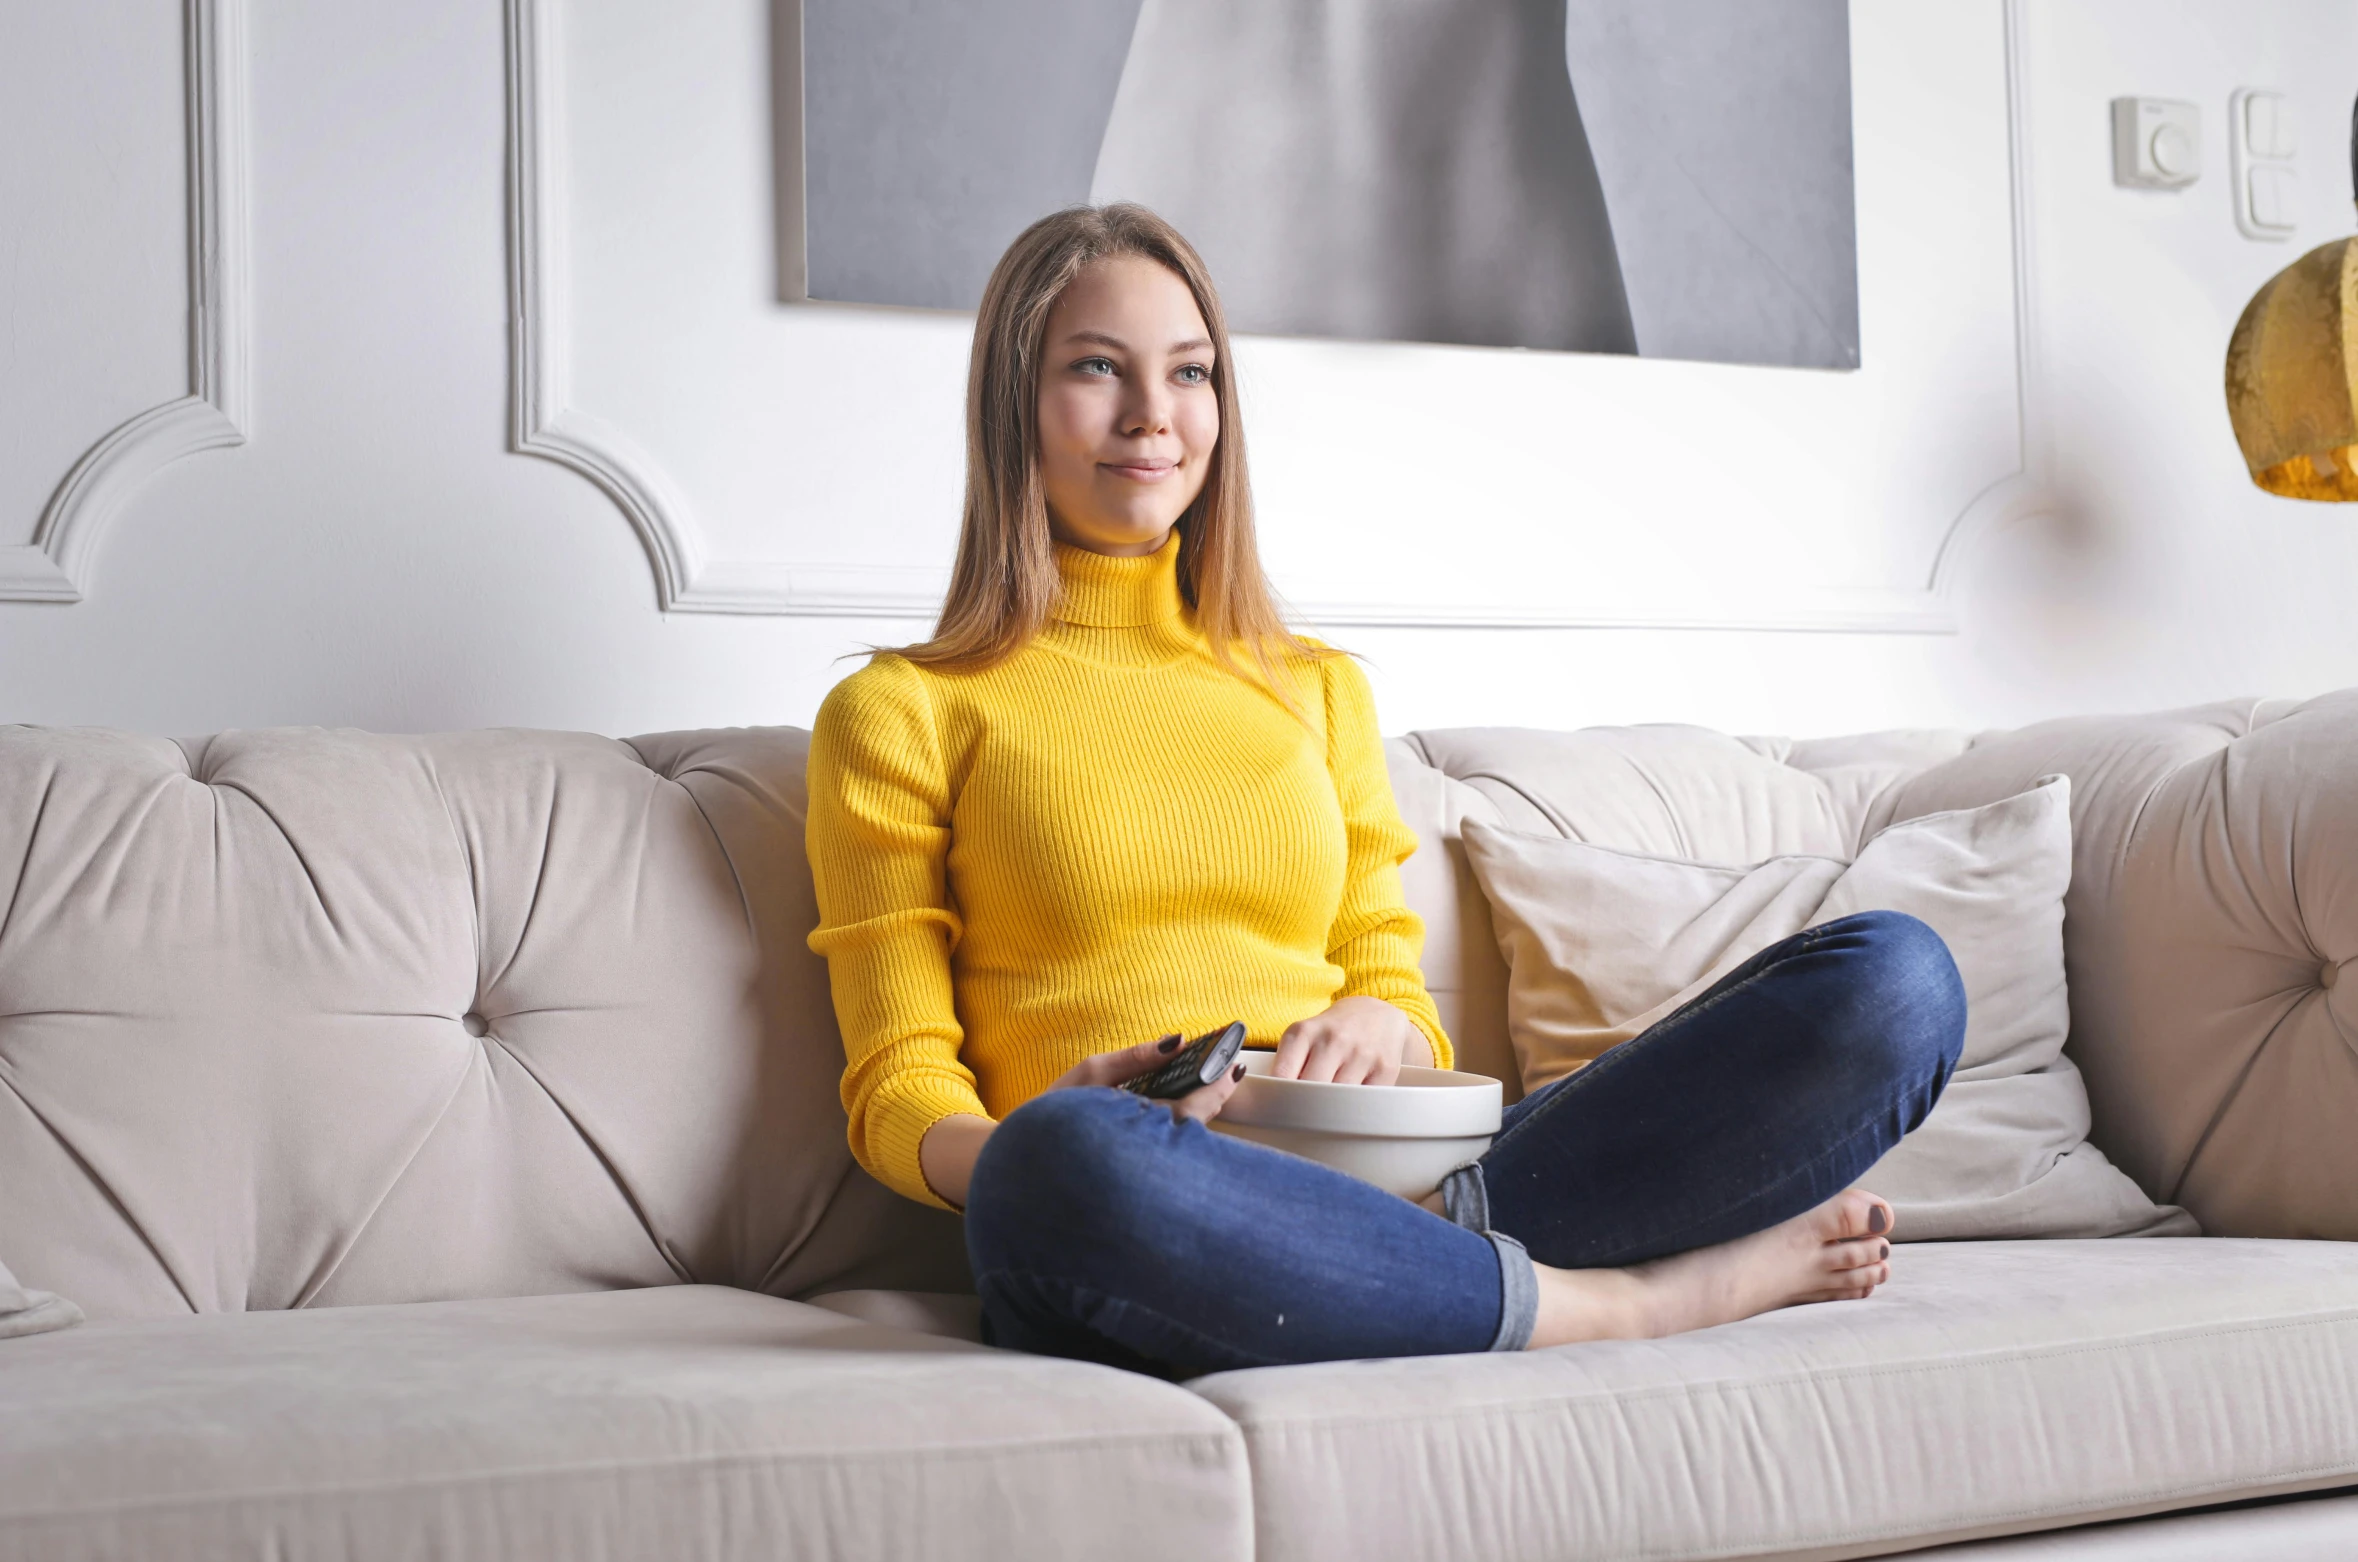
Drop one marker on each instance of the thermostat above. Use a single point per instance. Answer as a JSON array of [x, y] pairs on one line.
[[2156, 143]]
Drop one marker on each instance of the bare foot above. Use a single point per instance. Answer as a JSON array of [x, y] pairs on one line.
[[1839, 1251]]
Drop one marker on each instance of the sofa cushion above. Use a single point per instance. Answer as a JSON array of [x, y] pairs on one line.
[[32, 1312], [2212, 936], [687, 1421], [1604, 944], [1990, 1388], [1672, 791], [274, 1005]]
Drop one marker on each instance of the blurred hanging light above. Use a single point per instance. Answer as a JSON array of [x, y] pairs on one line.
[[2292, 372]]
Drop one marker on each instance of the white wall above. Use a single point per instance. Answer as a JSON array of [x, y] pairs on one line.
[[376, 555]]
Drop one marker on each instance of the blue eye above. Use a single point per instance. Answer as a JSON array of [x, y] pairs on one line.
[[1095, 366], [1195, 374]]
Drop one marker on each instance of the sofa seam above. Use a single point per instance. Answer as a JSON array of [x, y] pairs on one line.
[[24, 865], [458, 839], [1220, 1440], [107, 1191], [589, 1141], [2049, 1511], [287, 837], [308, 1294], [2234, 1091]]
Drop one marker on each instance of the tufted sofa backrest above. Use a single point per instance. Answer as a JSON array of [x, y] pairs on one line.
[[2212, 915], [299, 1018], [302, 1018], [1666, 791]]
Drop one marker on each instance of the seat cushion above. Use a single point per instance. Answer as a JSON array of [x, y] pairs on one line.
[[1991, 1388], [2291, 1529], [682, 1422]]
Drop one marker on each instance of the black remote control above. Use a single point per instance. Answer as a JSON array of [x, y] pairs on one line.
[[1197, 1064]]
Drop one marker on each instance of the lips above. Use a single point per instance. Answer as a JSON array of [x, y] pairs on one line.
[[1147, 471]]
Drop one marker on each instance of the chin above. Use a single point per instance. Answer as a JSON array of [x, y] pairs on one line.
[[1138, 528]]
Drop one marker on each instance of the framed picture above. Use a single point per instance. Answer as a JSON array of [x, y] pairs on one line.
[[1667, 178]]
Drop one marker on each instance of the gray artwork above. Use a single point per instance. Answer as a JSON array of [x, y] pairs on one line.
[[1664, 177]]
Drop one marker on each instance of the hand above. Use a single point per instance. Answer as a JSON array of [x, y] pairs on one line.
[[1357, 1041], [1112, 1068], [947, 1153]]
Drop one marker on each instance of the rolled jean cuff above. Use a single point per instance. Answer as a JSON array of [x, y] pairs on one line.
[[1465, 1198], [1518, 1286]]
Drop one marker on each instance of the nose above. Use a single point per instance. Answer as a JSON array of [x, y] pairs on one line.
[[1147, 408]]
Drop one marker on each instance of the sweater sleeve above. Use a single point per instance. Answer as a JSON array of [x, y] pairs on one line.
[[879, 838], [1376, 939]]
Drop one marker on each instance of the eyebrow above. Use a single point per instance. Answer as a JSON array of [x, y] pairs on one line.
[[1192, 345]]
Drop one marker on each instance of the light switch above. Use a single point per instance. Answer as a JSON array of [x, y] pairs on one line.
[[2156, 143], [2260, 159], [2272, 190], [2267, 129]]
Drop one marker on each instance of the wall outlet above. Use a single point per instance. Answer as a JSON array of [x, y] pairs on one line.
[[2156, 143]]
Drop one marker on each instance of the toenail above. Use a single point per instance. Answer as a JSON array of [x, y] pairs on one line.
[[1876, 1220]]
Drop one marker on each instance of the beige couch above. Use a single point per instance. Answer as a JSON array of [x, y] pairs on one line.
[[441, 1134]]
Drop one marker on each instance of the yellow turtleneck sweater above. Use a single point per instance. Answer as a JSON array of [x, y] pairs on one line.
[[1103, 839]]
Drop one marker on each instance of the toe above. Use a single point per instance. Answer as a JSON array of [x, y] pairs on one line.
[[1857, 1253], [1857, 1284], [1853, 1215]]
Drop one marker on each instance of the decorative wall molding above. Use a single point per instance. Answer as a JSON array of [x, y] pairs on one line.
[[540, 320], [2023, 492], [56, 565], [688, 580]]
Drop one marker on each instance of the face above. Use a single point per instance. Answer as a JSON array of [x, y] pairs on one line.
[[1128, 416]]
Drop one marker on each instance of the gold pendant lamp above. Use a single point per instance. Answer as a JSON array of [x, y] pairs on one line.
[[2292, 373]]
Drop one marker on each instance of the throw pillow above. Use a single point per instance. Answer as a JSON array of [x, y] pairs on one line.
[[1601, 944], [32, 1312]]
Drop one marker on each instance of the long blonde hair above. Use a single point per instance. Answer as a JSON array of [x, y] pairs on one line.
[[1005, 584]]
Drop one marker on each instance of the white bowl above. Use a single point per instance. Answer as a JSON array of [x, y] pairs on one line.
[[1404, 1138]]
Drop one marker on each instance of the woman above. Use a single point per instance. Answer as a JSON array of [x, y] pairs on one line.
[[1113, 797]]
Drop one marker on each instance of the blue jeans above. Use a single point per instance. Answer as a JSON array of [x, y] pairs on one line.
[[1101, 1227]]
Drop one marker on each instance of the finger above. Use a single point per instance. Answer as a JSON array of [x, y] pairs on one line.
[[1327, 1054], [1292, 1048], [1204, 1102], [1111, 1068], [1144, 1058], [1357, 1066]]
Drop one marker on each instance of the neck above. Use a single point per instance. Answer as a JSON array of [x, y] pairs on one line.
[[1119, 591], [1112, 550]]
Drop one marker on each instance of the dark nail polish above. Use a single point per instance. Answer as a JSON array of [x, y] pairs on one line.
[[1876, 1220], [1237, 1072], [1886, 1250], [1167, 1044]]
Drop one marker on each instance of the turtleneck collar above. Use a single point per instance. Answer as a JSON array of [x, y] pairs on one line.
[[1103, 592]]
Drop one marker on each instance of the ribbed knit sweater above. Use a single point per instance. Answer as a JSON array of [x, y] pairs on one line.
[[1105, 838]]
